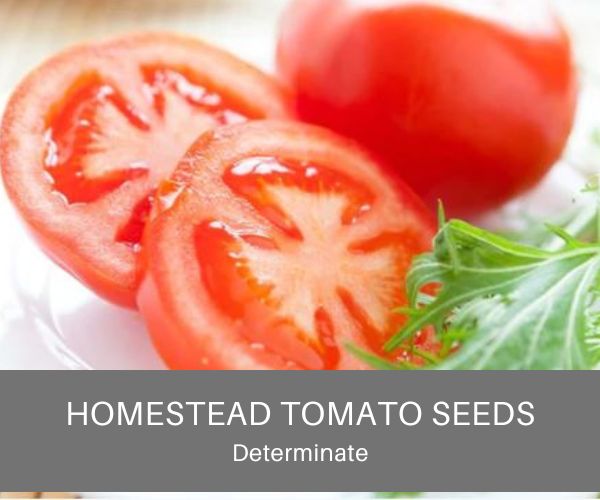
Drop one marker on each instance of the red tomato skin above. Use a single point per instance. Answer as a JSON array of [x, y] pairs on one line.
[[465, 110], [174, 348]]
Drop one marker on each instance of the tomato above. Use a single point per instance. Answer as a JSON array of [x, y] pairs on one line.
[[88, 135], [273, 246], [468, 101]]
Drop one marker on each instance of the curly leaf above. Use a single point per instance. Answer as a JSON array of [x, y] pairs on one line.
[[514, 306]]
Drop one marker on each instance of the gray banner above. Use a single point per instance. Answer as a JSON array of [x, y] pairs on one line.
[[552, 446]]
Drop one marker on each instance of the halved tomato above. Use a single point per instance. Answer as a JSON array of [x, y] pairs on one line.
[[88, 135], [273, 246]]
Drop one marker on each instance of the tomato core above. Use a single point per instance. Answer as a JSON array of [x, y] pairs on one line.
[[314, 272], [96, 140]]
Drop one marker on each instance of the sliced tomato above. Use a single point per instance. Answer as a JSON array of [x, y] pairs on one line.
[[88, 135], [273, 246]]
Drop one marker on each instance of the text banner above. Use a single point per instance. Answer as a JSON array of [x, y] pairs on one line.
[[299, 431]]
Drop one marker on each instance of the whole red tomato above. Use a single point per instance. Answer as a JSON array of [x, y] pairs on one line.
[[469, 101]]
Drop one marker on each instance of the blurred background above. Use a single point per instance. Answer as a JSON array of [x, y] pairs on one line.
[[30, 30], [33, 29]]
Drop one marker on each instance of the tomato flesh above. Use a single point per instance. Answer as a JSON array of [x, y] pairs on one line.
[[280, 280], [87, 137], [315, 260], [85, 158], [72, 134], [131, 233]]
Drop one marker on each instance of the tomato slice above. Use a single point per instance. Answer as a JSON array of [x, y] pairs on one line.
[[273, 246], [89, 134]]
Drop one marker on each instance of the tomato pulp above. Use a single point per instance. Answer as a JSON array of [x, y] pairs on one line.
[[88, 135], [275, 245], [470, 102]]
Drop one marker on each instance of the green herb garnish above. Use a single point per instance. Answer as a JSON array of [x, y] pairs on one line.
[[502, 305], [512, 306]]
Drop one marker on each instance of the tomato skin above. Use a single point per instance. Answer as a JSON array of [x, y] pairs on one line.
[[187, 324], [464, 109], [83, 238]]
